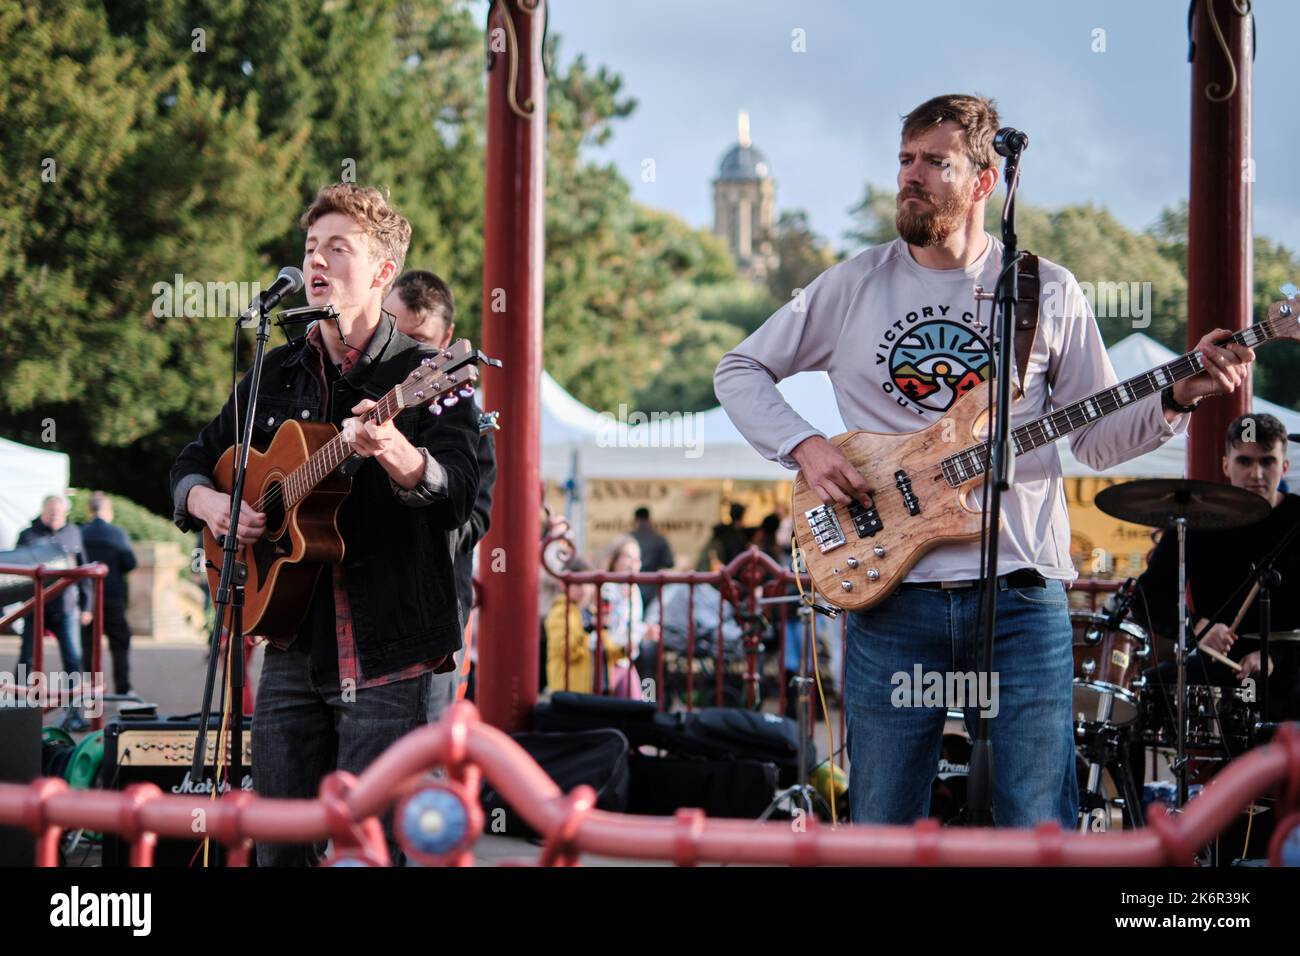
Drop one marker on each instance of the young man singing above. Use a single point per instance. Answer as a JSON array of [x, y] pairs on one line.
[[355, 677]]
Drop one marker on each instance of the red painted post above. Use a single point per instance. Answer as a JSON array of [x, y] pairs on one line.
[[512, 332], [1219, 236]]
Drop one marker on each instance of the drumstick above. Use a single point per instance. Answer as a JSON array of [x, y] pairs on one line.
[[1245, 606], [1218, 657], [1236, 622]]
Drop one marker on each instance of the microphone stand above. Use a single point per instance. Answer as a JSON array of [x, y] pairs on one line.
[[1001, 471], [1269, 578], [229, 597]]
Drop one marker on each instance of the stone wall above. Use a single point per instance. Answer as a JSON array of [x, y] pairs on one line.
[[164, 603]]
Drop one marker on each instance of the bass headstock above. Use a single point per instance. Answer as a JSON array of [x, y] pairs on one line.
[[1284, 315]]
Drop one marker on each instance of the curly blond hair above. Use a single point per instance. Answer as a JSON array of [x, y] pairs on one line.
[[387, 230]]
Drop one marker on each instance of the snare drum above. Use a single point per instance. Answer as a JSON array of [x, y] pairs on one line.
[[1217, 720], [1108, 667]]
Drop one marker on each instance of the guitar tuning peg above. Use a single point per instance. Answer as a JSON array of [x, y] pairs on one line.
[[419, 394], [450, 400], [427, 361], [466, 392], [1289, 290], [435, 409]]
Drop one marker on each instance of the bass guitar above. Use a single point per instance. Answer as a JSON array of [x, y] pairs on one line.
[[922, 490]]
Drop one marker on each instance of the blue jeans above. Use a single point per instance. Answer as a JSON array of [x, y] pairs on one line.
[[67, 628], [895, 737], [303, 732]]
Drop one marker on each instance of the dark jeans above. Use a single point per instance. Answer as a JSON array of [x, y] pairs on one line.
[[119, 644], [895, 736], [303, 732], [64, 627]]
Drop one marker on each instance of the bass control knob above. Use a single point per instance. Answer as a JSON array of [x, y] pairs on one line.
[[852, 562], [873, 574], [846, 585], [878, 551]]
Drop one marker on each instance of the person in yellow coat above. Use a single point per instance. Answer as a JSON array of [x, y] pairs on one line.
[[571, 640]]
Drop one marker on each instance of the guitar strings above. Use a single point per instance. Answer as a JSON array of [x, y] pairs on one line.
[[1267, 329], [275, 495]]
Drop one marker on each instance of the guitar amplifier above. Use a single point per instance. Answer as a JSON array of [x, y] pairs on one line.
[[20, 762], [159, 751]]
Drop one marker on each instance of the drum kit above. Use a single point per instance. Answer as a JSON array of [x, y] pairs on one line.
[[1117, 714]]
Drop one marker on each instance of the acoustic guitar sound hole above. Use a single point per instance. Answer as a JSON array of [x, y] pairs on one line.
[[273, 501]]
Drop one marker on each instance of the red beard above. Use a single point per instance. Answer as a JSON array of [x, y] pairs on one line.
[[929, 225]]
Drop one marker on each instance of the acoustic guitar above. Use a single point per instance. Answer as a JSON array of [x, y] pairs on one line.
[[296, 484], [922, 487]]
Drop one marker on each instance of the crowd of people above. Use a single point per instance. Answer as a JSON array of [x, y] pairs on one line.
[[624, 614]]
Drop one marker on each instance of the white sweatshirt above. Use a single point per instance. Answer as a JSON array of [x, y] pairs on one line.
[[900, 342]]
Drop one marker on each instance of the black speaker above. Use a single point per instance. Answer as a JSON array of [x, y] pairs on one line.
[[20, 762], [159, 751]]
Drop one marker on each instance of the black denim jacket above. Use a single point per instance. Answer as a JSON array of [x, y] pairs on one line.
[[397, 544]]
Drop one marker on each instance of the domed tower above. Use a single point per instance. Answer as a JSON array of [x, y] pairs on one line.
[[742, 205]]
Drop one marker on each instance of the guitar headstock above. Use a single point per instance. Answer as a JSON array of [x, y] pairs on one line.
[[443, 379], [1285, 313]]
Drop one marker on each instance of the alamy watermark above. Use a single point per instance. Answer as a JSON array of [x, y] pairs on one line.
[[191, 299], [1109, 300], [52, 689], [952, 690], [638, 429], [131, 911]]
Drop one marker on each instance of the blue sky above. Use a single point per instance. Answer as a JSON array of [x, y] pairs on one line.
[[1109, 128]]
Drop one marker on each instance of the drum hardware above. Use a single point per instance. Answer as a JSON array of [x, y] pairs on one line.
[[1177, 505], [1104, 748], [1111, 803]]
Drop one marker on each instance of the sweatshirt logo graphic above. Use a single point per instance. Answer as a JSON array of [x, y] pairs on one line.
[[937, 362]]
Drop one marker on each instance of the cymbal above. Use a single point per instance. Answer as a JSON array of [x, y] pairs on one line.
[[1207, 506]]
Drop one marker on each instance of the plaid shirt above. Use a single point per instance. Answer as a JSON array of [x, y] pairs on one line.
[[349, 668]]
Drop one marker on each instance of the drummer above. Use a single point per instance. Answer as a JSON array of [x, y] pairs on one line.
[[1217, 562]]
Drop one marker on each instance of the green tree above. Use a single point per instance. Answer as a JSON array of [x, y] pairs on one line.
[[802, 255], [185, 143], [120, 179]]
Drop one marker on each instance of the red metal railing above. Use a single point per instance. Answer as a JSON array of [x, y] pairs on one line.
[[63, 578], [348, 808], [750, 578]]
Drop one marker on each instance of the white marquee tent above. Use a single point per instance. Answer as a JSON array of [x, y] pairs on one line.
[[29, 475]]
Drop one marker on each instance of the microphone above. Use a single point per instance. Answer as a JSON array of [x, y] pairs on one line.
[[1123, 604], [286, 283], [1009, 142]]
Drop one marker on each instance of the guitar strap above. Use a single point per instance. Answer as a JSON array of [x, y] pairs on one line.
[[1026, 316]]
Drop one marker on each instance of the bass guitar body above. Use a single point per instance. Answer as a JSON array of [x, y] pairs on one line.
[[284, 564], [857, 556]]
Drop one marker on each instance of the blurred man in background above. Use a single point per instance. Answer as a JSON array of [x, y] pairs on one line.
[[656, 555], [108, 544], [425, 310], [62, 614]]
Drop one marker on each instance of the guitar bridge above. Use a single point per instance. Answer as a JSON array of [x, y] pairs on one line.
[[825, 527]]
